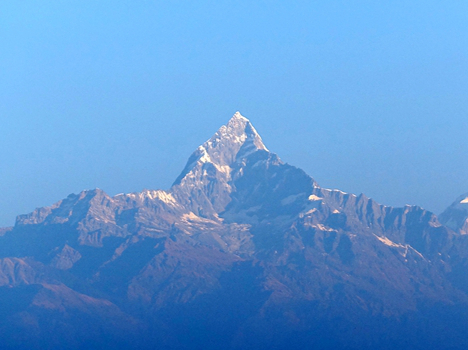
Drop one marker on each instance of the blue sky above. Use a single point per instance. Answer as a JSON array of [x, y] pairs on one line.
[[365, 96]]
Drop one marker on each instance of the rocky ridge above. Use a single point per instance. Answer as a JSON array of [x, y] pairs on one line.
[[242, 243]]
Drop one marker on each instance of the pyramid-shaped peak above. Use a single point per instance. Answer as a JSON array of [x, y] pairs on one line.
[[238, 130], [237, 123], [238, 117], [232, 142], [237, 134]]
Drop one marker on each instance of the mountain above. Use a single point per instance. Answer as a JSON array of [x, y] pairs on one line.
[[456, 215], [244, 251]]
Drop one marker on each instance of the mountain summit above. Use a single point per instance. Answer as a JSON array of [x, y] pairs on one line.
[[244, 251], [208, 176], [232, 142]]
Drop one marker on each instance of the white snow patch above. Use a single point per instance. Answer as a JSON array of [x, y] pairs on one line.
[[313, 197], [164, 197], [309, 212], [463, 201], [322, 228], [205, 158], [388, 242], [225, 169], [191, 217]]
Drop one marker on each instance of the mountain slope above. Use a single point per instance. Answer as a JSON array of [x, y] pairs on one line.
[[456, 215], [243, 251]]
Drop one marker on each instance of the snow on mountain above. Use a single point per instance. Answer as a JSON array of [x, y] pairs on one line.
[[232, 142], [242, 243], [456, 215]]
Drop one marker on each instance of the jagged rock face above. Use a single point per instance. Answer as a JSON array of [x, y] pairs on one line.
[[15, 271], [205, 184], [240, 245]]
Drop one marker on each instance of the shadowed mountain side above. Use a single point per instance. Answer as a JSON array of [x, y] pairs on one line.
[[242, 252], [456, 215]]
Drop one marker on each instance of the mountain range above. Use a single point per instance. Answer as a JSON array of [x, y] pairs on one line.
[[244, 251]]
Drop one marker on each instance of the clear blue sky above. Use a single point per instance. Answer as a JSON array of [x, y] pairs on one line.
[[365, 96]]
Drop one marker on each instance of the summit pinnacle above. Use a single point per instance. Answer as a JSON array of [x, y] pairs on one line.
[[233, 141]]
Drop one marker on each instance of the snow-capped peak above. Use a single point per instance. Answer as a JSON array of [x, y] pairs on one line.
[[225, 145], [230, 144], [239, 116]]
